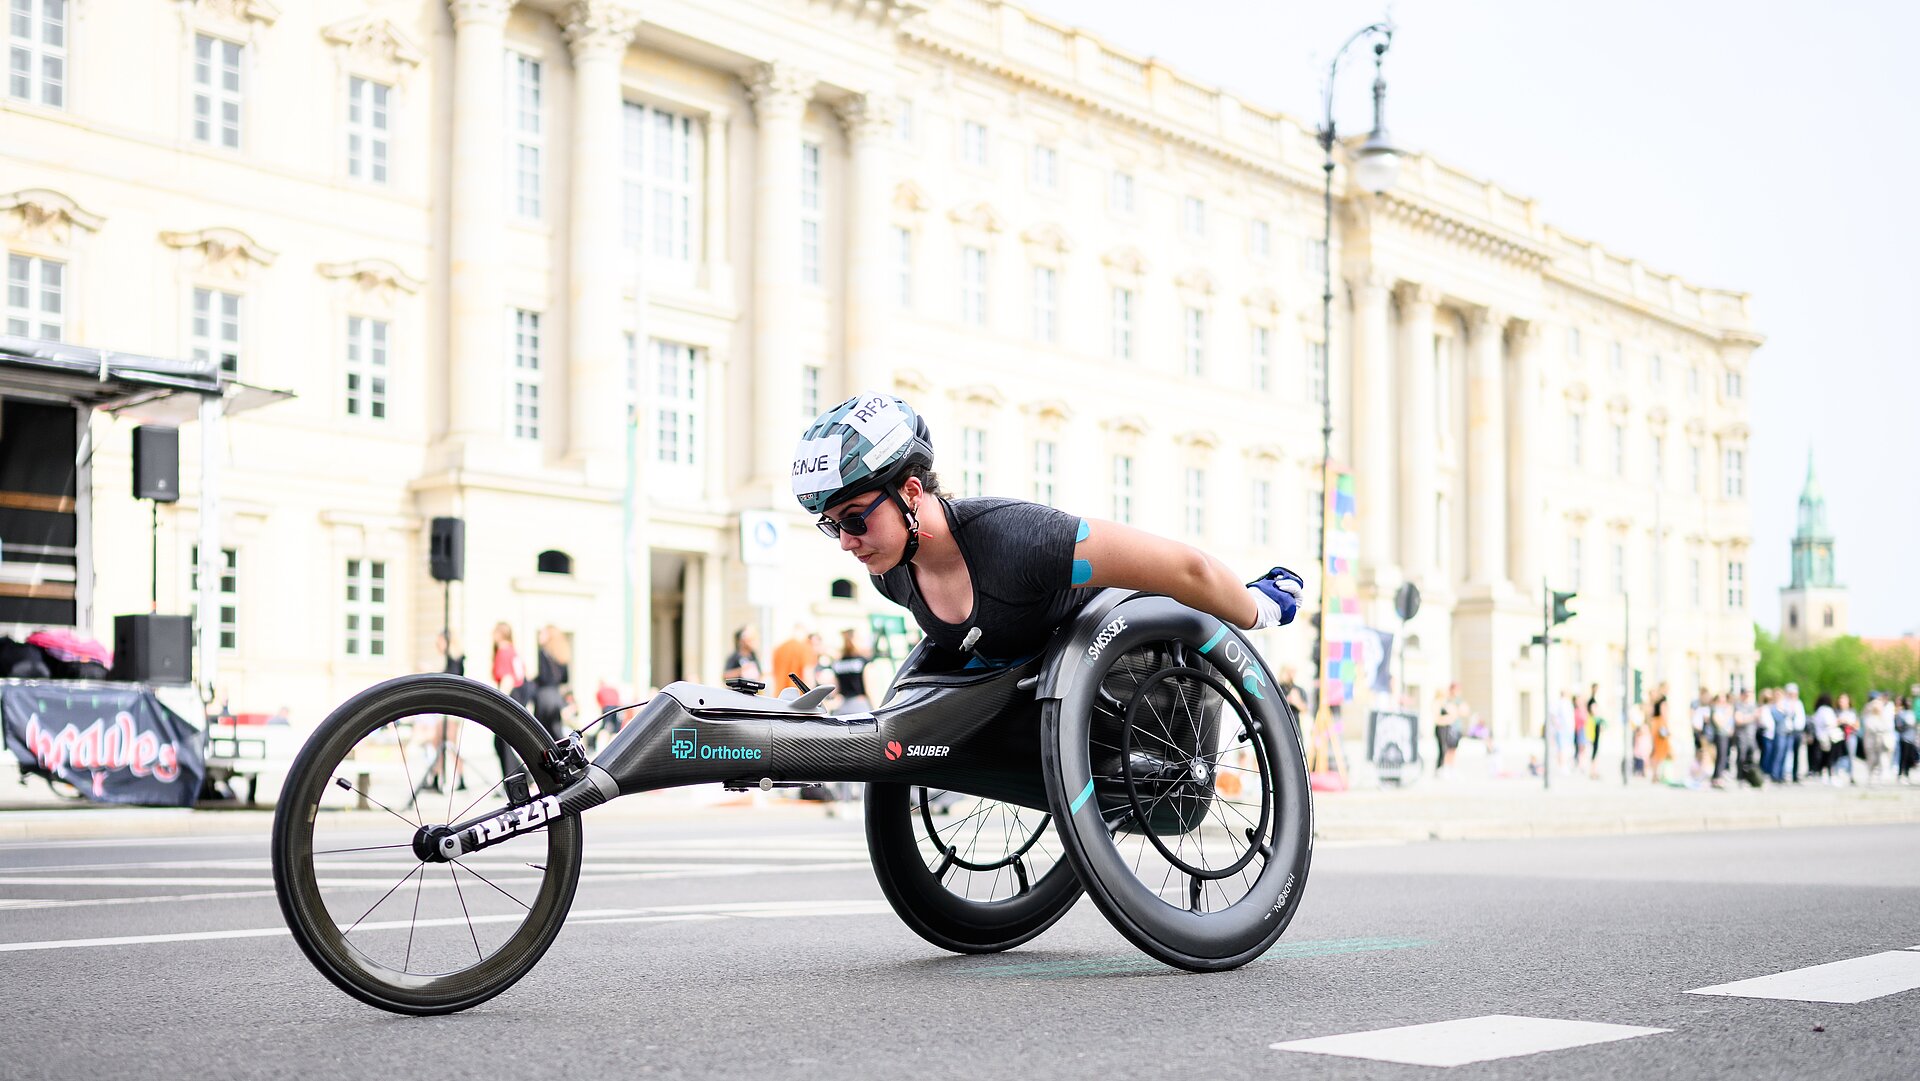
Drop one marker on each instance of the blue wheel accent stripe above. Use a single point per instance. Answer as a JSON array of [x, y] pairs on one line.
[[1080, 800], [1086, 530], [1215, 640], [1082, 572]]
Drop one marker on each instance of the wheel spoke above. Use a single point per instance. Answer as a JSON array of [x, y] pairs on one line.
[[366, 848], [496, 888], [413, 924], [383, 898], [458, 892], [342, 782]]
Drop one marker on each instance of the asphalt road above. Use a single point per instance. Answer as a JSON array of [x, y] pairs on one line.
[[756, 943]]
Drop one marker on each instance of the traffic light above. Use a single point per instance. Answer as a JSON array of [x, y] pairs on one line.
[[1561, 613], [1636, 687]]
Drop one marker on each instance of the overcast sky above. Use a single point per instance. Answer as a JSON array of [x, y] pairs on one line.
[[1764, 148]]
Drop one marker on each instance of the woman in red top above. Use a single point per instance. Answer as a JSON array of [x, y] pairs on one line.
[[508, 672]]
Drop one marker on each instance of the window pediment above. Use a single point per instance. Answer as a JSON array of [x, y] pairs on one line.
[[1125, 260], [373, 275], [1200, 439], [1196, 280], [375, 44], [1130, 424], [1048, 237], [223, 250], [238, 12], [46, 216], [910, 198], [979, 216]]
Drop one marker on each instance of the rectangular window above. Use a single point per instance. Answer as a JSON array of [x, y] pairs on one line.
[[525, 419], [366, 608], [633, 374], [36, 297], [1262, 365], [1194, 216], [525, 134], [1260, 238], [229, 595], [973, 286], [1693, 459], [1617, 359], [368, 128], [810, 391], [216, 329], [1316, 250], [810, 213], [1195, 323], [1045, 455], [973, 461], [1619, 567], [1196, 501], [1657, 468], [1316, 370], [1734, 386], [1261, 511], [1122, 323], [1736, 584], [660, 178], [1123, 489], [1573, 345], [1619, 450], [1656, 369], [1046, 168], [1120, 193], [366, 367], [903, 122], [37, 52], [1736, 461], [973, 143], [677, 404], [1574, 554], [218, 92], [1694, 580], [1693, 381], [1046, 283], [1576, 451], [1657, 564], [903, 264]]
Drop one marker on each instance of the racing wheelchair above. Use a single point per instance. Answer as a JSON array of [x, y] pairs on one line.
[[1145, 757]]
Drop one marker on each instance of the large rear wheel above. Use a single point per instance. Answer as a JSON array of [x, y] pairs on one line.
[[967, 874], [368, 904]]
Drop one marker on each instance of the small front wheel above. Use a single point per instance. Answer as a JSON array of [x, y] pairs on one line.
[[395, 930]]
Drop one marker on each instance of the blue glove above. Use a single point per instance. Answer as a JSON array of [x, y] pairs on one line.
[[1277, 595]]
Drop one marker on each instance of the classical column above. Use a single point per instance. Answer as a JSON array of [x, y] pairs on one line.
[[869, 123], [1525, 520], [1373, 422], [1486, 444], [779, 92], [597, 32], [476, 319], [1416, 432]]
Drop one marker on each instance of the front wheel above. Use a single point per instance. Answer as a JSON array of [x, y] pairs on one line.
[[1175, 773], [394, 930]]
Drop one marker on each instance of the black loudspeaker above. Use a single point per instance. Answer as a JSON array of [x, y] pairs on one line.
[[153, 649], [447, 549], [156, 464]]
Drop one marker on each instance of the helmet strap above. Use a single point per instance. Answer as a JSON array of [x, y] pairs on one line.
[[913, 524]]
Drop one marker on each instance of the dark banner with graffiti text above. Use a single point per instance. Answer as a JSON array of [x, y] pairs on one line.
[[115, 742]]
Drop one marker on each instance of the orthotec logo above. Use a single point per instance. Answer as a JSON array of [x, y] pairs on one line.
[[686, 744]]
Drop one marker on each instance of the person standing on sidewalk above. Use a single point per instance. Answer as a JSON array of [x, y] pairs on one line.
[[1820, 730], [1876, 734], [744, 661], [1847, 741], [1796, 738], [1661, 748], [1595, 724]]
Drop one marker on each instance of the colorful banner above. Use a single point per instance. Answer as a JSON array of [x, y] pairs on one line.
[[1345, 633], [114, 742]]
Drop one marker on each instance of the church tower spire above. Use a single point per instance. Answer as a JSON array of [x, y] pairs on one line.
[[1813, 607]]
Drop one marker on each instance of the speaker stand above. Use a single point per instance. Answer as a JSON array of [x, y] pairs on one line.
[[153, 602]]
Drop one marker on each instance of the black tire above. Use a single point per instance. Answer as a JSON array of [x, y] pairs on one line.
[[1149, 802], [921, 875], [317, 798]]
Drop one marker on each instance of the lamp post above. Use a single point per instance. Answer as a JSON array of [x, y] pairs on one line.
[[1375, 164]]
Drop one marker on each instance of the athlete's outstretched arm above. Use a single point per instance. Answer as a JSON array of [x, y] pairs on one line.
[[1111, 554]]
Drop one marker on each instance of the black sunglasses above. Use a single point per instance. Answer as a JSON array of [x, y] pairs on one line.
[[855, 525]]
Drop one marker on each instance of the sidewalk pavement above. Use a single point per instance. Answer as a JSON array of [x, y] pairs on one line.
[[1479, 798]]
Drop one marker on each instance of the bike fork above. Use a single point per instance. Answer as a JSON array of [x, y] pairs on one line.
[[583, 784]]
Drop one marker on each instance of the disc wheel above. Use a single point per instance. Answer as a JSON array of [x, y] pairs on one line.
[[1177, 778], [967, 874], [390, 928]]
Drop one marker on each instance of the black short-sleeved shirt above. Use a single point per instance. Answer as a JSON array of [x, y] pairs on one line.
[[1020, 556]]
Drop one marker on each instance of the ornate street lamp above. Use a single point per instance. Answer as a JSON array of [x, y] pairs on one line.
[[1376, 163]]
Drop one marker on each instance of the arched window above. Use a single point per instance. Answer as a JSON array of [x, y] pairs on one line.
[[842, 589], [1827, 616], [553, 561], [1793, 618]]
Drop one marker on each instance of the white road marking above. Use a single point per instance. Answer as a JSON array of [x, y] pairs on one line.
[[1473, 1039], [1854, 980], [656, 914]]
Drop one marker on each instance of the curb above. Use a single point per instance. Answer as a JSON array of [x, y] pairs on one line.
[[1486, 829]]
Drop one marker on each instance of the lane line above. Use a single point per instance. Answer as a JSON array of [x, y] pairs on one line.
[[1856, 979], [1472, 1039], [654, 914]]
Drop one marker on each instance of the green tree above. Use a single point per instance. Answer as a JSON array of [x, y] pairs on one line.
[[1839, 666]]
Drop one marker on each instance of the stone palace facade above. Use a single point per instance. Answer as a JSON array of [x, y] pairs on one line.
[[475, 238]]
